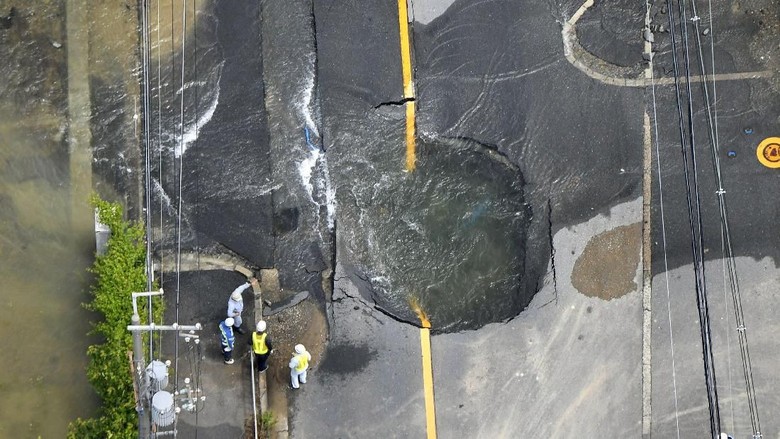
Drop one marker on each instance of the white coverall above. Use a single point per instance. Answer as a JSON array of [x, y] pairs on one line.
[[299, 375]]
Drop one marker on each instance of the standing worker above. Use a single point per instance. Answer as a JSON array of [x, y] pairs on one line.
[[261, 346], [236, 304], [227, 338], [298, 365]]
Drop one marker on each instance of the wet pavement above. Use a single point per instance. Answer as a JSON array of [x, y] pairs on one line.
[[203, 298], [569, 359], [746, 114], [368, 382]]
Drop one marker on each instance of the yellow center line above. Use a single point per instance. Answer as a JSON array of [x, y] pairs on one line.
[[427, 366], [406, 58], [406, 72], [411, 147]]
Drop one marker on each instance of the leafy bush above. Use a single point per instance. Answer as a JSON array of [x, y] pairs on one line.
[[118, 273]]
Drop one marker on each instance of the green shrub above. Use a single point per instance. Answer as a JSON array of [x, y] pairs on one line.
[[267, 421], [118, 273]]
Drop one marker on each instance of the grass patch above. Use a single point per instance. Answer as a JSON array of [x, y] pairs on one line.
[[265, 424]]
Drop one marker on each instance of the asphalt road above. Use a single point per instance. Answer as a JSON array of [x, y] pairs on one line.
[[294, 124], [203, 298], [568, 359], [503, 77], [571, 364]]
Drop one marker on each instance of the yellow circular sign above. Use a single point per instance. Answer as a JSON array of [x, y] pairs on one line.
[[768, 152]]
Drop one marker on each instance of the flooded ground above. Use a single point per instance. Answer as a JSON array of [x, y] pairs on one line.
[[449, 237], [68, 85], [43, 261], [44, 249]]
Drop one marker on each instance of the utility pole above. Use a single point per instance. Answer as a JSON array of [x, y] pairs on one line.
[[138, 367], [145, 396]]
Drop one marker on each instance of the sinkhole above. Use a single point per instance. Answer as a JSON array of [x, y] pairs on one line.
[[444, 243]]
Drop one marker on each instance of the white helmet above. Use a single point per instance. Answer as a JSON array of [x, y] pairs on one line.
[[229, 321], [261, 326], [299, 349], [236, 296]]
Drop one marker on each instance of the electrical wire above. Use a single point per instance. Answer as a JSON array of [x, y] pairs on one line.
[[727, 245], [196, 377], [147, 174], [180, 175], [147, 164], [693, 201], [193, 358], [716, 163], [160, 141], [197, 188], [664, 244]]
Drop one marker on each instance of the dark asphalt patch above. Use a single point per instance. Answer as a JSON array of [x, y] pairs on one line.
[[343, 359]]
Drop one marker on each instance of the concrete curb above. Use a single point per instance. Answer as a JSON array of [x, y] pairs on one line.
[[198, 262], [218, 263], [269, 283], [585, 61]]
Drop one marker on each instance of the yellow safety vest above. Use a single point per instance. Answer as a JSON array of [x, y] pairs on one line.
[[258, 343], [303, 362]]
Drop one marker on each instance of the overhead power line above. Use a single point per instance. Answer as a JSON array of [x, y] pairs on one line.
[[693, 202], [693, 199], [724, 222]]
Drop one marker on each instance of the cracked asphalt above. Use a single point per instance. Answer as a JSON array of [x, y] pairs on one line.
[[492, 81], [571, 364], [294, 161]]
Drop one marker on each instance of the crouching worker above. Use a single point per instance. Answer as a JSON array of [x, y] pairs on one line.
[[261, 346], [227, 338]]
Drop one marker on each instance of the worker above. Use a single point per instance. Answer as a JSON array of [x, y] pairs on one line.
[[299, 363], [261, 346], [236, 304], [227, 338]]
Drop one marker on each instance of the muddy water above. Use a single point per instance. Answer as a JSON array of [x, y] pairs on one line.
[[43, 258], [44, 248], [447, 238], [43, 252], [46, 229]]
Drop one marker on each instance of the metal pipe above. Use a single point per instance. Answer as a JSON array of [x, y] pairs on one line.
[[144, 294], [138, 365], [173, 327], [254, 398]]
